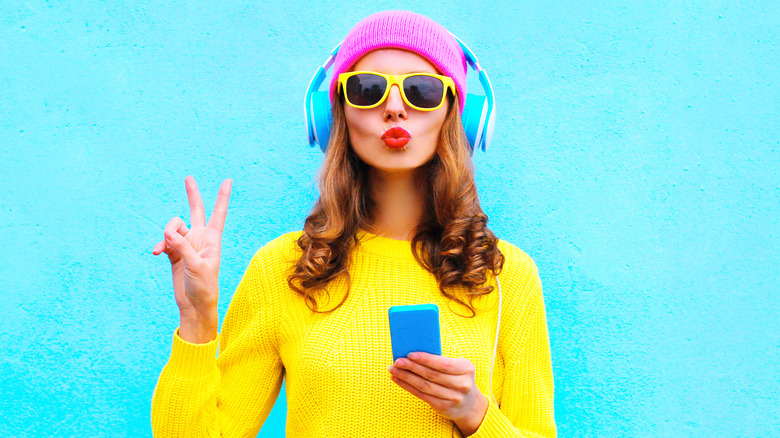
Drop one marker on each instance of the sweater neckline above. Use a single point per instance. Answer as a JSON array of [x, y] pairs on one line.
[[384, 246]]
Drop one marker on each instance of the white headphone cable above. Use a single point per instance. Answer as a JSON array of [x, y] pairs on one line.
[[495, 345]]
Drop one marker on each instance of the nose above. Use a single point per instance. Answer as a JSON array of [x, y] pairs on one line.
[[395, 107]]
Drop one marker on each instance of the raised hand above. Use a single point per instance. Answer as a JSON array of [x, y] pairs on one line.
[[194, 254]]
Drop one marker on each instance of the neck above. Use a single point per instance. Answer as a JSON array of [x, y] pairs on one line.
[[399, 200]]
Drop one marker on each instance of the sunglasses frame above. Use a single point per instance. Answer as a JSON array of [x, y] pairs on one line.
[[399, 80]]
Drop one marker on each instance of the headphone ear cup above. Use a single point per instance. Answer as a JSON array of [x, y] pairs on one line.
[[321, 117], [473, 119]]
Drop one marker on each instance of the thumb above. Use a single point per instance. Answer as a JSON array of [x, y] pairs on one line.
[[180, 244]]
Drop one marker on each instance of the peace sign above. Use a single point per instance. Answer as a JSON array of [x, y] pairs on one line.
[[194, 254]]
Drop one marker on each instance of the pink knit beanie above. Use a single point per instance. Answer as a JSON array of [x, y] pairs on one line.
[[403, 30]]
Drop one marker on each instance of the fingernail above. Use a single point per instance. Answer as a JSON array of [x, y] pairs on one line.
[[414, 356], [389, 367]]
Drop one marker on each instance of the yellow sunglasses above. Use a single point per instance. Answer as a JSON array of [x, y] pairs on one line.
[[421, 91]]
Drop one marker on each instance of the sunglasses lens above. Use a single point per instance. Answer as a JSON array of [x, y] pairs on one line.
[[424, 91], [365, 89]]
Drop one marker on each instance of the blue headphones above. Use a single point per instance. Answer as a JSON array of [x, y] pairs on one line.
[[478, 113]]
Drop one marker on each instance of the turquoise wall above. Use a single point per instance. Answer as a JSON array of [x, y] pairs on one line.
[[635, 159]]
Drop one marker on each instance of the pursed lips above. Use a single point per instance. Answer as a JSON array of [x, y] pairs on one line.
[[396, 137]]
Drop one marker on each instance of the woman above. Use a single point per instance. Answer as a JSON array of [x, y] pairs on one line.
[[398, 222]]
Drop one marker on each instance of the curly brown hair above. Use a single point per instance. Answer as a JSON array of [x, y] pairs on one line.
[[452, 241]]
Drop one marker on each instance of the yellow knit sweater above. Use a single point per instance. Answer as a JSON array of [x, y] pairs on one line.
[[335, 365]]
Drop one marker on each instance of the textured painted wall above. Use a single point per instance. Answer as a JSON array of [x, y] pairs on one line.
[[635, 159]]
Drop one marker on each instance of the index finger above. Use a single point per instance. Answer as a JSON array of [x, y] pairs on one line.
[[197, 214], [217, 219], [442, 364]]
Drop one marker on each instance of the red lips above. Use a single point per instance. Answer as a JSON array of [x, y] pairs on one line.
[[396, 138]]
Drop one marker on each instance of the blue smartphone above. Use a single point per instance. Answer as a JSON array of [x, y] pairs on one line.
[[414, 328]]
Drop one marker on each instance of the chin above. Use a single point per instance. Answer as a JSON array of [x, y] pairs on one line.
[[398, 163]]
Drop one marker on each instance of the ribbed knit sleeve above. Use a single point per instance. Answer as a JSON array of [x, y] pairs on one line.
[[200, 395], [527, 392]]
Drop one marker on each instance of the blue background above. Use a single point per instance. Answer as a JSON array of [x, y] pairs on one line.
[[635, 159]]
